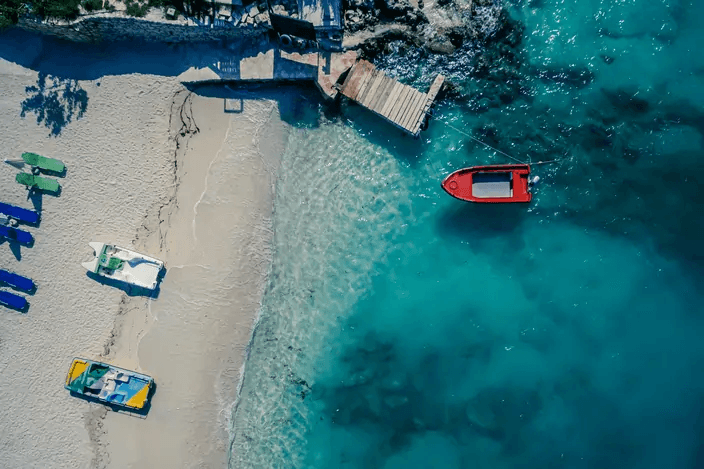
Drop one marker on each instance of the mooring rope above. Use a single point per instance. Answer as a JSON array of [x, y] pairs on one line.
[[496, 149]]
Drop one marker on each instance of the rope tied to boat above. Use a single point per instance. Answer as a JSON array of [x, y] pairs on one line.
[[497, 150]]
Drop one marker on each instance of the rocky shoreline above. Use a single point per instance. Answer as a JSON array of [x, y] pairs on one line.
[[438, 26]]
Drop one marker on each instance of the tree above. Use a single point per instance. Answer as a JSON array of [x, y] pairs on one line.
[[10, 11], [61, 9]]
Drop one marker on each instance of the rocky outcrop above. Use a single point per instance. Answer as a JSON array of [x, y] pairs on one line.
[[365, 14], [440, 26]]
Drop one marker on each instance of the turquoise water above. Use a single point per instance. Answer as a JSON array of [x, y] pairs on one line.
[[404, 329]]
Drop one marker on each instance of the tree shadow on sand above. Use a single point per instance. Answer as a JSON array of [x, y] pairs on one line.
[[55, 101]]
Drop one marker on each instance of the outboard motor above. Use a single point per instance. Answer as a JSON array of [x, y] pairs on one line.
[[533, 181]]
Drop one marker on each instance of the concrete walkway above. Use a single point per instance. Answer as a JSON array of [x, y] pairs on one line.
[[271, 63]]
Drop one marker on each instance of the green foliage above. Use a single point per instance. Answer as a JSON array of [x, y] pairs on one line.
[[10, 11], [93, 5], [136, 9], [61, 9]]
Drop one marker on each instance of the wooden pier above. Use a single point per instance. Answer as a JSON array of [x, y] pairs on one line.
[[402, 105]]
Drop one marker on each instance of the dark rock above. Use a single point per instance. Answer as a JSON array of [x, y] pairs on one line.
[[393, 8], [353, 18], [578, 77], [396, 400], [626, 101], [594, 137], [488, 134], [440, 45], [506, 98], [632, 155], [457, 36], [364, 5], [414, 18], [483, 105], [374, 46], [509, 32]]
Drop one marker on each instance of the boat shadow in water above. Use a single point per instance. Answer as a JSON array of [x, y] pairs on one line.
[[139, 413], [131, 290], [377, 131], [476, 222]]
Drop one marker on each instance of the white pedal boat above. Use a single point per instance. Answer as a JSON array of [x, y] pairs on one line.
[[124, 265]]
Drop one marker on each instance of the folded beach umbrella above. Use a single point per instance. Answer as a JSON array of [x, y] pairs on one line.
[[19, 164]]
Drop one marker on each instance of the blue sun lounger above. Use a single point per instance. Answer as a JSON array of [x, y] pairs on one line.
[[11, 300], [16, 281], [13, 234], [19, 213]]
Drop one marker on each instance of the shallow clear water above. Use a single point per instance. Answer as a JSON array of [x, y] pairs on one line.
[[403, 328]]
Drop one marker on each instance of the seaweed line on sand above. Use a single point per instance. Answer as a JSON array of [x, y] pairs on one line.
[[154, 223], [95, 419]]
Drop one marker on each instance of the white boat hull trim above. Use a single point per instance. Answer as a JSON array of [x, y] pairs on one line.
[[124, 265]]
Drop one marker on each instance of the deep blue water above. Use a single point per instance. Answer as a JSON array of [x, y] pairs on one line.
[[404, 329]]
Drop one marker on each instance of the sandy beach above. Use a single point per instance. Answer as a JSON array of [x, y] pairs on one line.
[[165, 171]]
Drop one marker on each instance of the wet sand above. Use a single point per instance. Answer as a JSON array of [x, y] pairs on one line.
[[217, 251], [191, 185]]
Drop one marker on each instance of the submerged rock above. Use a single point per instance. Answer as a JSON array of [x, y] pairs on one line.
[[439, 28], [440, 45]]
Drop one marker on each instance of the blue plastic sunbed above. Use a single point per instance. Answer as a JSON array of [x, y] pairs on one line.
[[14, 234], [16, 281], [21, 214], [12, 300]]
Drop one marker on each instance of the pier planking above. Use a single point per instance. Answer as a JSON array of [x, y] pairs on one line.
[[402, 105]]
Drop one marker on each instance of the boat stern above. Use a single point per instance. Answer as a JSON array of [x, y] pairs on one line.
[[77, 368], [140, 398], [92, 265]]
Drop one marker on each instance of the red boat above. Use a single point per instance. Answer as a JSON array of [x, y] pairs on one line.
[[490, 184]]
